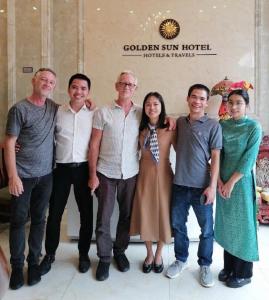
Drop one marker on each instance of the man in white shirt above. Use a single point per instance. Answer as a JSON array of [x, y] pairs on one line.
[[72, 134], [113, 161]]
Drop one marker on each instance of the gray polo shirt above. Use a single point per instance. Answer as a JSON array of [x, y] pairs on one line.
[[34, 126], [194, 144], [118, 156]]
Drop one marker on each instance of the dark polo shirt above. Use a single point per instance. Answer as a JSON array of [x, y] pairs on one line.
[[193, 151]]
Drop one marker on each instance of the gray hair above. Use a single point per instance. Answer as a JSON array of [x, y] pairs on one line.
[[128, 73], [45, 70]]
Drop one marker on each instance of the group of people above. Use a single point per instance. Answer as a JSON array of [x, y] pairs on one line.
[[121, 152]]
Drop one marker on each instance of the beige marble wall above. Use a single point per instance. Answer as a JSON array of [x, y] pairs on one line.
[[56, 34], [262, 70], [65, 44], [229, 34], [3, 66], [28, 43]]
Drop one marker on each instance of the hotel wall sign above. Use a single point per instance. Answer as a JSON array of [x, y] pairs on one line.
[[169, 29]]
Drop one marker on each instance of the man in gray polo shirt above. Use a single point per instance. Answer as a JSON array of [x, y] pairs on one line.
[[31, 123], [199, 139]]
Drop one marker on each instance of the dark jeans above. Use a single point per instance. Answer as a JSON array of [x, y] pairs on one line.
[[64, 175], [182, 198], [239, 267], [33, 201], [106, 194]]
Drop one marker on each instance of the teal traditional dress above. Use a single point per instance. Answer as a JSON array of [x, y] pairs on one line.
[[235, 222]]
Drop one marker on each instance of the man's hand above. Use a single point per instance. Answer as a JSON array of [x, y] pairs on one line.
[[15, 186], [90, 104], [93, 183], [17, 147], [171, 122], [210, 193]]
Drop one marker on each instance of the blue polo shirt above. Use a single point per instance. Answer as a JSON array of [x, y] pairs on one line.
[[193, 151]]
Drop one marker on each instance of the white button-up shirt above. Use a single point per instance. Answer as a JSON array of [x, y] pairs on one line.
[[118, 156], [72, 134]]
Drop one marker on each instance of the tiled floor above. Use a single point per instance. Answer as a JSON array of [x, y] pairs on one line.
[[65, 282]]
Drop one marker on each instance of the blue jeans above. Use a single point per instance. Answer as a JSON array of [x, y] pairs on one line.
[[182, 198], [33, 203]]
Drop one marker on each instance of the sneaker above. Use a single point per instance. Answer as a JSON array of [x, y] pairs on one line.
[[176, 268], [45, 264], [206, 278], [122, 262]]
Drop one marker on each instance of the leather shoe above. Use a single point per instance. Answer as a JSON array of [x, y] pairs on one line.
[[16, 279], [223, 276], [34, 275], [45, 264], [84, 263], [122, 262], [147, 267], [102, 271], [158, 268], [236, 282]]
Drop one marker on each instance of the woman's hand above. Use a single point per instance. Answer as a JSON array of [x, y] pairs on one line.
[[227, 188], [220, 186]]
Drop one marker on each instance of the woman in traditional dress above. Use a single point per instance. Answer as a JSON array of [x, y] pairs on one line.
[[150, 214], [235, 223]]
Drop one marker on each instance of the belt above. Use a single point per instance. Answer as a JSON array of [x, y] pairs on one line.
[[71, 165]]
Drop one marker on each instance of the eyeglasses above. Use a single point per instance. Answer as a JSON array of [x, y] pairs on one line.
[[127, 84]]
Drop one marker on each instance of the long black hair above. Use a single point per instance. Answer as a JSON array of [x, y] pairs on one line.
[[145, 119]]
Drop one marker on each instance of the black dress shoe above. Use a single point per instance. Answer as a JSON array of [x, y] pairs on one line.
[[102, 271], [158, 268], [84, 263], [122, 262], [147, 267], [45, 264], [236, 282], [16, 279], [223, 275], [34, 275]]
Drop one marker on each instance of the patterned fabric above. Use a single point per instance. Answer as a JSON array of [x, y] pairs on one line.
[[235, 222], [119, 156], [153, 144]]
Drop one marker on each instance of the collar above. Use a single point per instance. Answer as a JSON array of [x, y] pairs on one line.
[[151, 127], [203, 119], [67, 107], [134, 106]]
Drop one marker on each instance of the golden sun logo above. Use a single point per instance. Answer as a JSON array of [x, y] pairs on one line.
[[169, 29]]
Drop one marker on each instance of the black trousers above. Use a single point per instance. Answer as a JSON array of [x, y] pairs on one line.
[[239, 267], [34, 201], [107, 192], [64, 175]]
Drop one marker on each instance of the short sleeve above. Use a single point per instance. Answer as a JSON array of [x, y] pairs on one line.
[[215, 140], [98, 119], [249, 157], [14, 121]]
